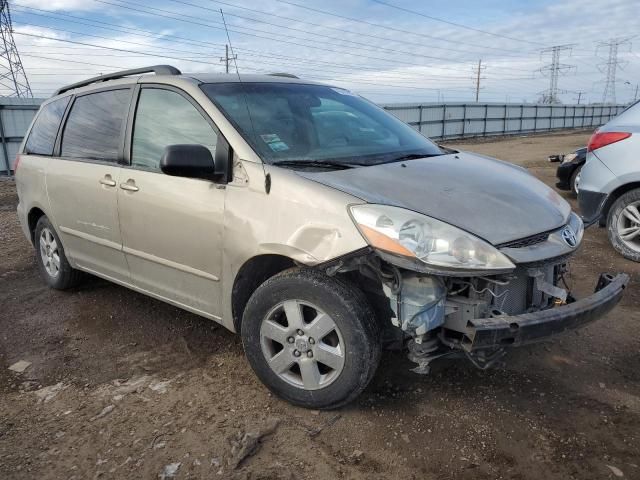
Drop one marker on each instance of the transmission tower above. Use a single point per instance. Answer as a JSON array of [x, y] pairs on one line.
[[12, 75], [553, 71], [611, 66]]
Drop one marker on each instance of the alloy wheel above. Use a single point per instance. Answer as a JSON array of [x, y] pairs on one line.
[[49, 252], [628, 226], [302, 345]]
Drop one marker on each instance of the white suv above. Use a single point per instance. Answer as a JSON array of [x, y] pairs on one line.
[[610, 181]]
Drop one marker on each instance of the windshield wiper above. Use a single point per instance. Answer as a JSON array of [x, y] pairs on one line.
[[315, 163], [413, 156]]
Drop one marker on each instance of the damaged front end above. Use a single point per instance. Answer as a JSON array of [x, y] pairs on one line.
[[480, 317], [479, 314]]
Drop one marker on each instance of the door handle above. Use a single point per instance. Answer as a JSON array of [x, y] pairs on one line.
[[129, 186], [108, 181]]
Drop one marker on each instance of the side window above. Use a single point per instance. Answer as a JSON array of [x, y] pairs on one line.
[[94, 126], [42, 137], [164, 117]]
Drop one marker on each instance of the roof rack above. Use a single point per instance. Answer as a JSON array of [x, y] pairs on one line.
[[283, 74], [157, 69]]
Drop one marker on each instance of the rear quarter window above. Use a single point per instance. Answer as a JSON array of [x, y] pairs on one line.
[[42, 137]]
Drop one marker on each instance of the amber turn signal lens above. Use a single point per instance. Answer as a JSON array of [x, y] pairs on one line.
[[381, 241]]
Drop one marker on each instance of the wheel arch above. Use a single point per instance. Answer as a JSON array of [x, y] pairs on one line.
[[253, 273], [32, 220], [613, 196]]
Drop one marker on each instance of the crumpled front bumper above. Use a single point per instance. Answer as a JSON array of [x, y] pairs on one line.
[[514, 330]]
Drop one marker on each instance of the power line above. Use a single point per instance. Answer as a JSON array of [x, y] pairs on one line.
[[362, 46], [177, 16], [10, 63], [466, 27], [342, 30], [307, 32], [197, 61], [377, 25], [183, 40]]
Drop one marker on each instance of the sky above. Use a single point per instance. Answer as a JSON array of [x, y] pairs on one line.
[[389, 51]]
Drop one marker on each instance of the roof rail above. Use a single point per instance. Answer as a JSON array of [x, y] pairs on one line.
[[283, 74], [157, 69]]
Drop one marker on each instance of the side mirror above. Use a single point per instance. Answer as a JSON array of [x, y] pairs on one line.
[[192, 161]]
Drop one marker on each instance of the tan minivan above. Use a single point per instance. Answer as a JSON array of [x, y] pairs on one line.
[[303, 216]]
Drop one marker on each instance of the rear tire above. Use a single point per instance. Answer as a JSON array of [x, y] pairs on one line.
[[301, 318], [623, 225], [52, 261]]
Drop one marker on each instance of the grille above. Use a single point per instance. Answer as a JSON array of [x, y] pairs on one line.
[[527, 241]]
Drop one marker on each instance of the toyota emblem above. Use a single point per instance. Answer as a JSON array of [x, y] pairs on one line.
[[569, 236]]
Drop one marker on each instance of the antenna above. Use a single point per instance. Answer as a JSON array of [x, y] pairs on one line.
[[246, 102]]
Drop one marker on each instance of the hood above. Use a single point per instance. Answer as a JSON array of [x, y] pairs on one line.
[[492, 199]]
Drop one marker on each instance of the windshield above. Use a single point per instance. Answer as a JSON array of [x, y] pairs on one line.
[[287, 122]]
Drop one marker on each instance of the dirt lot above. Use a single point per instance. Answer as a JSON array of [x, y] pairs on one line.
[[123, 386]]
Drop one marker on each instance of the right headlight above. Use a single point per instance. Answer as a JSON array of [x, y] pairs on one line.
[[569, 157], [433, 242]]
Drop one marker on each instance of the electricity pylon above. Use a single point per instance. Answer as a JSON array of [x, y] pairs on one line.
[[12, 75]]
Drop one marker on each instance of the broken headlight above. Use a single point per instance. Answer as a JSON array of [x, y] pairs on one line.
[[410, 234]]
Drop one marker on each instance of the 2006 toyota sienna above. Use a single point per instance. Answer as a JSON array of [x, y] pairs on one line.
[[317, 225]]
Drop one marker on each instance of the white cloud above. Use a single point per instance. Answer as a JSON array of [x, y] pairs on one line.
[[54, 5]]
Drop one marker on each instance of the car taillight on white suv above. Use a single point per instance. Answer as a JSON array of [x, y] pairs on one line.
[[602, 139]]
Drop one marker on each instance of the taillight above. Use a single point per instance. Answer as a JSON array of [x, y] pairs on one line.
[[15, 164], [602, 139]]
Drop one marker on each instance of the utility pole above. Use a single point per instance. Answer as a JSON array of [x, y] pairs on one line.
[[478, 78], [227, 59], [580, 96], [611, 66], [553, 71], [11, 68]]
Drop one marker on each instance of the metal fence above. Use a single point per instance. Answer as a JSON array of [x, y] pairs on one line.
[[435, 120], [15, 116], [456, 120]]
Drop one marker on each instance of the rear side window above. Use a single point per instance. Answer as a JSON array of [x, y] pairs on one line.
[[94, 126], [45, 129]]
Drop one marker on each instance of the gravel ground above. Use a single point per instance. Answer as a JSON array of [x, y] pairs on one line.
[[123, 386]]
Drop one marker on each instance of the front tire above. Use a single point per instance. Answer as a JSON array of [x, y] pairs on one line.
[[623, 225], [311, 339], [52, 261]]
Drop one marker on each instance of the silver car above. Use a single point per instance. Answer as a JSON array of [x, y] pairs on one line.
[[312, 222], [610, 181]]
